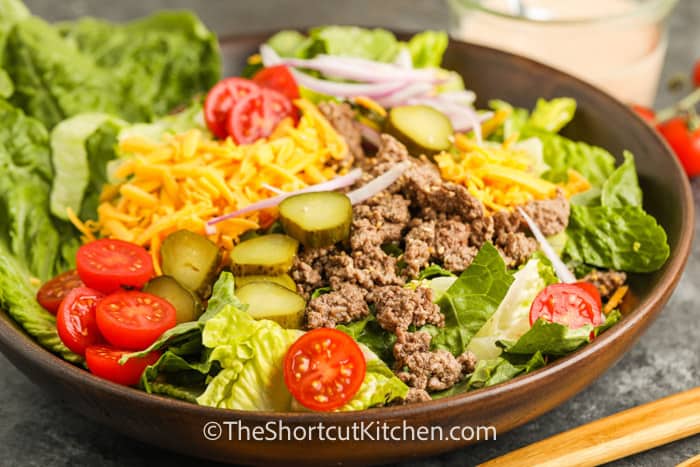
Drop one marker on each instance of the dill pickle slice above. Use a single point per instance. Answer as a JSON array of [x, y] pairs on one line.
[[423, 129], [186, 303], [317, 219], [267, 300], [285, 280], [269, 255], [191, 259]]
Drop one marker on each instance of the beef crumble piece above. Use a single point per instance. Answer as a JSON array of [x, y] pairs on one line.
[[398, 307], [607, 282], [344, 305], [415, 396], [423, 369], [380, 219], [342, 117], [550, 215], [452, 245], [307, 271]]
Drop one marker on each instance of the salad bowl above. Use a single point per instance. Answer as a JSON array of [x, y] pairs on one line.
[[224, 435]]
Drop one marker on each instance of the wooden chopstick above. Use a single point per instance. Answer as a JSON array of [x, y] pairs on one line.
[[623, 434], [692, 462]]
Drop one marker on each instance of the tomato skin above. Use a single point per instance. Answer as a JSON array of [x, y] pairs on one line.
[[76, 321], [569, 304], [103, 361], [277, 108], [52, 293], [696, 74], [685, 143], [107, 264], [280, 79], [647, 114], [324, 369], [133, 320], [220, 102]]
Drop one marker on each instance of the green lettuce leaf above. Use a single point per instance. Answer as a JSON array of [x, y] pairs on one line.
[[471, 300], [512, 318], [552, 115], [72, 162], [549, 339], [351, 41], [159, 61], [175, 376], [250, 353], [433, 271], [514, 123], [41, 244], [561, 154], [18, 298], [625, 239], [368, 332], [379, 387], [6, 86], [622, 188], [290, 43], [427, 48]]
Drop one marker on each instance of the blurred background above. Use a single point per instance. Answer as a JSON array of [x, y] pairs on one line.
[[37, 430]]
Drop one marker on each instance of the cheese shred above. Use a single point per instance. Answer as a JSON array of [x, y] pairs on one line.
[[186, 179]]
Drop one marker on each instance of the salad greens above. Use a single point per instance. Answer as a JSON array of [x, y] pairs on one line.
[[65, 108], [471, 300]]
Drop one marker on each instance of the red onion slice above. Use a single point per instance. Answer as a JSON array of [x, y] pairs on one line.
[[560, 268], [353, 68], [379, 184]]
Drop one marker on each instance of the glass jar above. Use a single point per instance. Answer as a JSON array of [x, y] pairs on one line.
[[618, 45]]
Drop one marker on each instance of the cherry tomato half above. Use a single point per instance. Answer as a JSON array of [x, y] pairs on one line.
[[52, 293], [103, 361], [280, 79], [324, 369], [107, 265], [256, 116], [567, 304], [134, 320], [591, 289], [221, 100], [685, 143], [76, 322]]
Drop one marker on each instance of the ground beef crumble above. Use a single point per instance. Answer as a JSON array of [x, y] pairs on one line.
[[344, 305], [607, 282], [398, 307], [431, 221]]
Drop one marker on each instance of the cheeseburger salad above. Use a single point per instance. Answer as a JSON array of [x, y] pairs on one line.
[[336, 229]]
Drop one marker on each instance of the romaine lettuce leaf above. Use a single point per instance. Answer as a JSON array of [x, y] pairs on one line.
[[18, 298], [471, 300], [352, 41], [552, 115], [549, 339], [561, 154], [250, 353], [290, 43], [512, 318], [433, 271], [368, 332], [159, 61], [135, 71], [427, 48], [622, 238], [72, 161], [622, 188], [379, 387]]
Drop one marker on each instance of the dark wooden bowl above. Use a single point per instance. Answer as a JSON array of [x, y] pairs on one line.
[[178, 426]]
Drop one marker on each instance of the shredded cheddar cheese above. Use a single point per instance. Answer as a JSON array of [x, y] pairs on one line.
[[186, 179]]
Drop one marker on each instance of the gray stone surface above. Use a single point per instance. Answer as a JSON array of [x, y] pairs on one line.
[[36, 430]]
